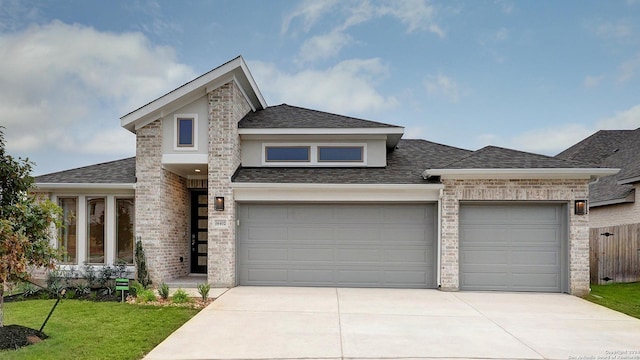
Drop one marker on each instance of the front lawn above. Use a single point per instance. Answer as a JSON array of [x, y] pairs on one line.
[[93, 330], [620, 297]]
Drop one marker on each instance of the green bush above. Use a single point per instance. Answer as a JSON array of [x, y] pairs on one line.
[[163, 290], [135, 288], [180, 297], [203, 290], [146, 295]]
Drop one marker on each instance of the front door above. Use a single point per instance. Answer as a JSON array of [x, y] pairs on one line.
[[199, 235]]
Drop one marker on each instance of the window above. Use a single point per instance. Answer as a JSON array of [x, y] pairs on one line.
[[287, 153], [340, 153], [95, 230], [68, 232], [125, 213], [186, 131]]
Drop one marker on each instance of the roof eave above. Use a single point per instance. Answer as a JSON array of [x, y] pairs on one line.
[[85, 186], [630, 198], [527, 173], [630, 180], [234, 70]]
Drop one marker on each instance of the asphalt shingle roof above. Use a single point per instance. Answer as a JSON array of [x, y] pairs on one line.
[[113, 172], [613, 149], [287, 116], [493, 157], [404, 166]]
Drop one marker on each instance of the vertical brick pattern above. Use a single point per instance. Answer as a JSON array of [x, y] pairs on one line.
[[162, 205], [515, 190], [226, 107]]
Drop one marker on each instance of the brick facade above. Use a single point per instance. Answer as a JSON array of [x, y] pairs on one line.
[[515, 190], [226, 107], [620, 214], [162, 208]]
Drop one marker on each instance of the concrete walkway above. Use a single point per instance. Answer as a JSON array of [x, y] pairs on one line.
[[330, 323]]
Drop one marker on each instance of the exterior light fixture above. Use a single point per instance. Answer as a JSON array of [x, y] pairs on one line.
[[218, 204], [580, 207], [197, 170]]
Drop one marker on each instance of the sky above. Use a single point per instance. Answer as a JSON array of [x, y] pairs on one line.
[[536, 76]]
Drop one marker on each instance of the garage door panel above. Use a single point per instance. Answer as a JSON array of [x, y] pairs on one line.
[[511, 247], [266, 214], [339, 245]]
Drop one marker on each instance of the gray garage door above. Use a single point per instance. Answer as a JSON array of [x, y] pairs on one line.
[[512, 247], [337, 245]]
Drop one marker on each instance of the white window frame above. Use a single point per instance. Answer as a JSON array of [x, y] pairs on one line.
[[340, 146], [313, 155], [176, 139], [114, 249]]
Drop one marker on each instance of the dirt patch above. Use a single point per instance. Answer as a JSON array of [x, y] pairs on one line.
[[16, 336]]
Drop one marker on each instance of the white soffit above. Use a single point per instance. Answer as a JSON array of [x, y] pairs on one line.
[[531, 173], [279, 192]]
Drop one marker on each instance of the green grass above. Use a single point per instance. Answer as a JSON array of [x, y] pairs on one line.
[[93, 330], [620, 297]]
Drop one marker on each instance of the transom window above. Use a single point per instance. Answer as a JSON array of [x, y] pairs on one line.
[[287, 153], [340, 153], [186, 131]]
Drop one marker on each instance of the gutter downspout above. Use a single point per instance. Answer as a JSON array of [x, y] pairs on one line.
[[439, 240]]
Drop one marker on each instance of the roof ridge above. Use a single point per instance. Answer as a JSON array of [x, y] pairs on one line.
[[336, 114]]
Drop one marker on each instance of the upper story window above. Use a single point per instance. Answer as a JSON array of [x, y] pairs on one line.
[[340, 153], [314, 154], [287, 153], [186, 130]]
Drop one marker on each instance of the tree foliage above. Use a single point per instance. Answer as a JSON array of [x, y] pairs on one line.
[[25, 223]]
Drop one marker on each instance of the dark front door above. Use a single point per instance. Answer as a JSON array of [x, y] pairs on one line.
[[199, 236]]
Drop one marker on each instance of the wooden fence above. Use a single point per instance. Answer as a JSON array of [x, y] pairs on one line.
[[616, 257]]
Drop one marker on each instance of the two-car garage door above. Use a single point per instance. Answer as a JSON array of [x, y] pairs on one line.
[[512, 247], [349, 245]]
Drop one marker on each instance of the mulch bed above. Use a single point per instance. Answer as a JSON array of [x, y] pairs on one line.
[[16, 336]]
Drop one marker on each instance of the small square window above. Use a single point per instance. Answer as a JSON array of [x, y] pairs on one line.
[[185, 132], [340, 153], [287, 153]]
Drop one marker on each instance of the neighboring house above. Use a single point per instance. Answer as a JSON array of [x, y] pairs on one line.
[[614, 212], [255, 195]]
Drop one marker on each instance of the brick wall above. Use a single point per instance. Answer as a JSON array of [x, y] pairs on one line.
[[162, 205], [226, 107], [620, 214], [515, 190]]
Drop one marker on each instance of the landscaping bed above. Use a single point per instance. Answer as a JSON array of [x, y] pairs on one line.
[[16, 336]]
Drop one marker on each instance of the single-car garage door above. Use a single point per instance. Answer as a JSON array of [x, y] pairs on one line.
[[512, 247], [349, 245]]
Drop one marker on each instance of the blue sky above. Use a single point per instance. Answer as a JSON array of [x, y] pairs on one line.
[[531, 75]]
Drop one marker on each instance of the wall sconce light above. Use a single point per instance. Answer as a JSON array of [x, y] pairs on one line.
[[218, 204], [580, 207]]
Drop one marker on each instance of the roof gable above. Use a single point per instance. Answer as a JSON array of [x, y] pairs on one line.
[[234, 70]]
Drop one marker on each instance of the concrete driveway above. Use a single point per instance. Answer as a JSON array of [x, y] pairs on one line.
[[330, 323]]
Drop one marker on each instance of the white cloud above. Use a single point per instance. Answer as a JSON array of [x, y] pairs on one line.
[[591, 82], [627, 69], [414, 14], [310, 11], [627, 119], [441, 85], [323, 46], [63, 87], [619, 29], [346, 88]]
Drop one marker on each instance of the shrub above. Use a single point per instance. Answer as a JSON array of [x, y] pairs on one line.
[[104, 275], [203, 290], [70, 294], [28, 289], [135, 288], [163, 290], [89, 274], [146, 295], [180, 297], [141, 265], [120, 269]]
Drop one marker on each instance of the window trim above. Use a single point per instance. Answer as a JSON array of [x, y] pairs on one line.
[[266, 147], [313, 153], [59, 243], [341, 147], [176, 131]]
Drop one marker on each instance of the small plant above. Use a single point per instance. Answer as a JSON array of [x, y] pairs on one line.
[[180, 297], [70, 294], [145, 296], [29, 289], [104, 276], [89, 274], [142, 275], [82, 289], [120, 269], [69, 276], [163, 290], [203, 290], [135, 288], [53, 280]]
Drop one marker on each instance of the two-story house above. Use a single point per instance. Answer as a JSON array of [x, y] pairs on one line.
[[251, 194]]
